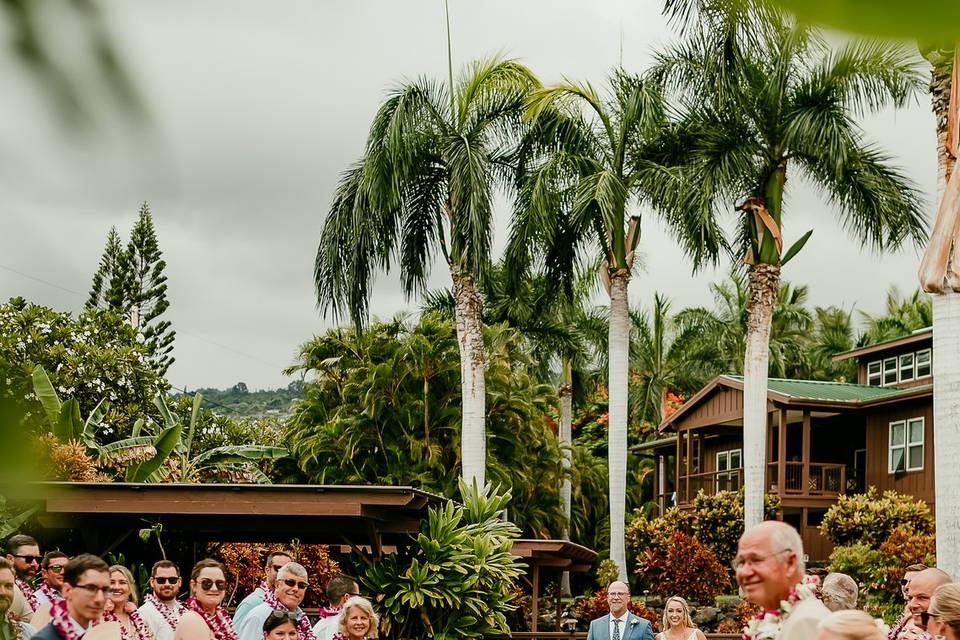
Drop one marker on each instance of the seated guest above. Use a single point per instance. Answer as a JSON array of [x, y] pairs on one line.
[[357, 620], [10, 628], [86, 582], [839, 592], [289, 590], [340, 588], [943, 614], [52, 570], [205, 619], [280, 625], [161, 610], [121, 607], [849, 625], [275, 562], [23, 552]]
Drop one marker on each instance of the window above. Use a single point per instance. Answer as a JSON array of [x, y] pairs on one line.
[[728, 464], [906, 367], [906, 445], [874, 377], [890, 371], [923, 363]]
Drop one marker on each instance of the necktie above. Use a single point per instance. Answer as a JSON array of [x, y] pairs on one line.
[[616, 629]]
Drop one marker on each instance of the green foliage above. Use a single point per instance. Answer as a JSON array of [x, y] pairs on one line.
[[607, 572], [95, 356], [685, 567], [244, 406], [902, 317], [923, 20], [456, 578], [870, 517], [860, 562]]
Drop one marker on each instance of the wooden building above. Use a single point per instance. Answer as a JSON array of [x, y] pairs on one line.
[[823, 438]]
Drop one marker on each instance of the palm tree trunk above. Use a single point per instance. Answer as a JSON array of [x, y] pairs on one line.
[[565, 392], [946, 348], [473, 440], [764, 281], [619, 338]]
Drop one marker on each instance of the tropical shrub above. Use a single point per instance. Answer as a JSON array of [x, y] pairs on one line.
[[244, 562], [643, 533], [865, 565], [903, 548], [685, 567], [456, 579], [607, 572], [68, 461], [595, 606], [869, 518]]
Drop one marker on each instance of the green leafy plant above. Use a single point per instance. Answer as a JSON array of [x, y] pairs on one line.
[[606, 572], [456, 578], [685, 567], [869, 518]]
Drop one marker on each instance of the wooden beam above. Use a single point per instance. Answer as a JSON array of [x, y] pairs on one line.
[[535, 600], [805, 457], [686, 496], [782, 451]]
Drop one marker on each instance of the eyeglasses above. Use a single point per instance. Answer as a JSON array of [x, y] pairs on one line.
[[277, 567], [56, 568], [740, 563], [92, 589], [168, 580], [207, 584], [284, 615], [290, 582], [28, 559], [618, 594]]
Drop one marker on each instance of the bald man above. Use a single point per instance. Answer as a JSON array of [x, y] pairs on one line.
[[619, 624], [919, 590], [769, 563]]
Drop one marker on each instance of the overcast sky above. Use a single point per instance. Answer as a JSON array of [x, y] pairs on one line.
[[255, 108]]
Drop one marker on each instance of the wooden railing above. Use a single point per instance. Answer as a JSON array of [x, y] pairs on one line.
[[710, 483], [823, 479]]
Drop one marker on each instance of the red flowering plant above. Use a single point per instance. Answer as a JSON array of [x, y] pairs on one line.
[[245, 562], [596, 606], [685, 567]]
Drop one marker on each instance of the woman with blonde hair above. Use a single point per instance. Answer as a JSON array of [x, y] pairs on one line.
[[122, 604], [677, 624], [943, 613], [851, 624], [357, 620]]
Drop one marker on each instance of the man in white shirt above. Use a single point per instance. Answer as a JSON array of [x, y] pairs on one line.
[[290, 588], [161, 610], [340, 589], [48, 592], [275, 562], [619, 624]]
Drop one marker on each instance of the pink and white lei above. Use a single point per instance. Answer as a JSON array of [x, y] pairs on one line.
[[304, 632], [28, 593], [60, 619], [766, 624], [138, 624], [328, 612], [52, 594], [15, 625], [219, 622], [164, 610]]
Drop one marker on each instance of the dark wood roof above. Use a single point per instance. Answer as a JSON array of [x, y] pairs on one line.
[[561, 554]]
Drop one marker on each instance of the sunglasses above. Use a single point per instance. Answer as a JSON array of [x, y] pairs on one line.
[[29, 559], [207, 584], [56, 568], [290, 582], [925, 617], [168, 580], [284, 615], [277, 567]]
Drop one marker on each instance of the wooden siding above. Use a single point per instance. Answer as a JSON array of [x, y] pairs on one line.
[[916, 483], [912, 347], [723, 405]]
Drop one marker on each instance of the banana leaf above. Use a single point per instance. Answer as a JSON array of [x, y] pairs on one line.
[[47, 396], [69, 426], [165, 443]]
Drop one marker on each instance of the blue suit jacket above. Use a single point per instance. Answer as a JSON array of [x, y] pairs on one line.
[[47, 633], [636, 628]]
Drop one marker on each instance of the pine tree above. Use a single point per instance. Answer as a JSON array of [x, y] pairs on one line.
[[108, 288], [146, 291]]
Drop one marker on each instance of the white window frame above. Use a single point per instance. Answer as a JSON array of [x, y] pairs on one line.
[[907, 444], [912, 367], [728, 472], [878, 375], [928, 357], [891, 365]]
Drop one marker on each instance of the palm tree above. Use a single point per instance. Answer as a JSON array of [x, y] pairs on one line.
[[425, 185], [586, 164], [763, 95], [902, 317]]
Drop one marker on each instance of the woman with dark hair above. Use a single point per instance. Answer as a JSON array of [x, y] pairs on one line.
[[280, 625], [204, 618]]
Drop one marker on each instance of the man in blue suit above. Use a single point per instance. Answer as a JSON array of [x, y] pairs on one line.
[[619, 624]]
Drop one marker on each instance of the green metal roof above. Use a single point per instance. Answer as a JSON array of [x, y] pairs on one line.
[[829, 391]]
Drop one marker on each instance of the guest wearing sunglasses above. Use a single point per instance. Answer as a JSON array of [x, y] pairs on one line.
[[275, 562], [49, 590], [280, 625], [86, 585], [921, 589], [289, 591], [205, 619], [23, 552], [161, 610]]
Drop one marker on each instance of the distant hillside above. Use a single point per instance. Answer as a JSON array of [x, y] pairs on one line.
[[239, 402]]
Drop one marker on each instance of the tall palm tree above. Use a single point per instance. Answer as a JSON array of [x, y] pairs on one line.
[[903, 316], [763, 95], [585, 166], [425, 185]]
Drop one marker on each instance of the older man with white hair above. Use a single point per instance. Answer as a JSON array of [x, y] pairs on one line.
[[289, 590], [770, 571]]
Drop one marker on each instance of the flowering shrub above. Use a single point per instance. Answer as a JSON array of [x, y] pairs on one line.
[[91, 357], [744, 612], [245, 563], [870, 517], [68, 462], [684, 567], [642, 533]]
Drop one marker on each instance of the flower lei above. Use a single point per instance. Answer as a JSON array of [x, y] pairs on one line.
[[15, 625], [52, 594], [766, 624], [60, 620], [164, 610], [219, 622], [898, 626], [304, 632], [135, 618], [328, 612], [28, 593]]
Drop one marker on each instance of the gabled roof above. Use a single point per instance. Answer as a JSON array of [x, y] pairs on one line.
[[805, 392], [917, 336]]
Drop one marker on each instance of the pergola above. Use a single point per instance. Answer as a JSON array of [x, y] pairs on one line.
[[559, 555]]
